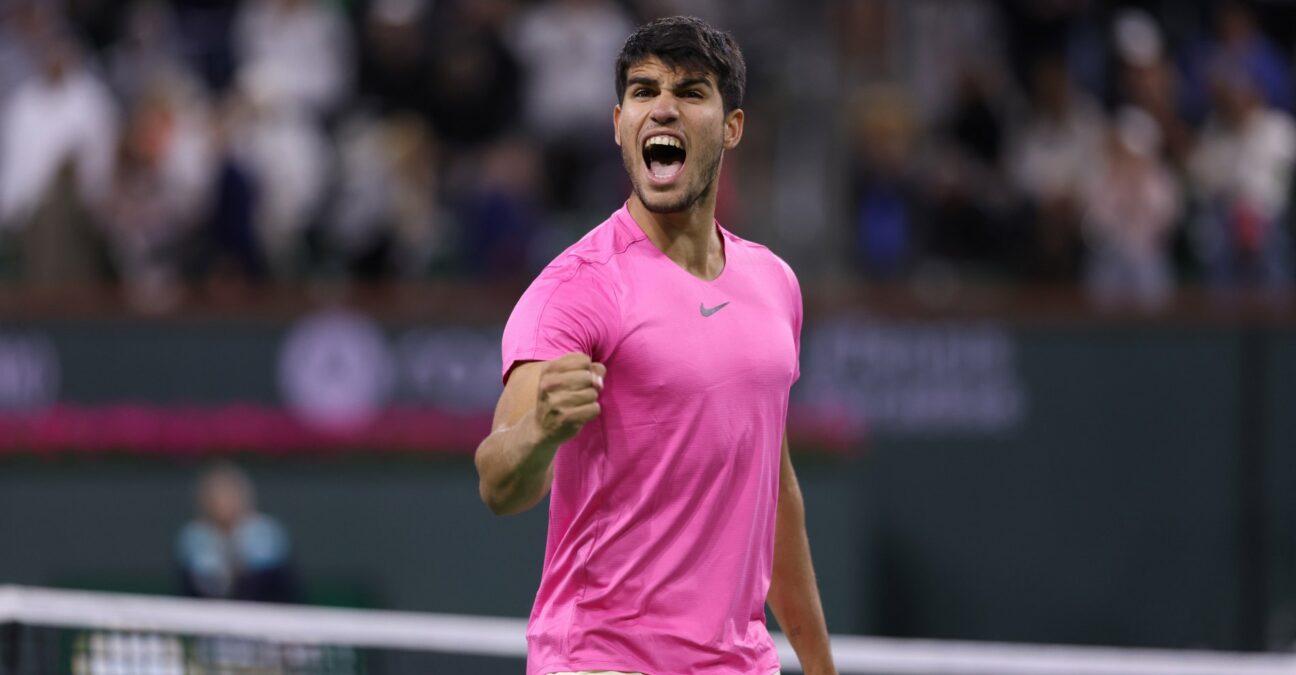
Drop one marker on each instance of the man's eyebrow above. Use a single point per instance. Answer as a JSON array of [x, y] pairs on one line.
[[693, 82], [682, 84]]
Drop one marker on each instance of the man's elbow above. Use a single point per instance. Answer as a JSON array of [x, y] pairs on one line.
[[492, 499], [488, 493], [498, 502]]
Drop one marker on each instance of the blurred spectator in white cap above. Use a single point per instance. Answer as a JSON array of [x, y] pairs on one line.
[[1242, 172], [1130, 203], [1147, 79]]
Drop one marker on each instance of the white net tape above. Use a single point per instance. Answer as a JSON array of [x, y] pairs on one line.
[[493, 636]]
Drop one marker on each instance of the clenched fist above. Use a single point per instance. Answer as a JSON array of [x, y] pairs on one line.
[[568, 395]]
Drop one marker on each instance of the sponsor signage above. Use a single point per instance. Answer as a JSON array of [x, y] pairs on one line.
[[338, 380]]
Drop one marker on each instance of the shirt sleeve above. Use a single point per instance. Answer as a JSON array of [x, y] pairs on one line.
[[568, 308]]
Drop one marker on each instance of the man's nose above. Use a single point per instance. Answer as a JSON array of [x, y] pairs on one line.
[[665, 109]]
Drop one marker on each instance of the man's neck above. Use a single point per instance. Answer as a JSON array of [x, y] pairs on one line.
[[689, 237]]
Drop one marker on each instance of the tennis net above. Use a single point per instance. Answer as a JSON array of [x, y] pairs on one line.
[[48, 632]]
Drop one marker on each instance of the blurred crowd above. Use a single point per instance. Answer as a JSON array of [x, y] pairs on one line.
[[189, 146], [182, 145], [1132, 147]]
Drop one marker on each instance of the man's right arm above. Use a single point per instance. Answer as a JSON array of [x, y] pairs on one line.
[[544, 404]]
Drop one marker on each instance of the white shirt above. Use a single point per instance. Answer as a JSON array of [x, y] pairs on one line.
[[569, 52], [1252, 163], [46, 124]]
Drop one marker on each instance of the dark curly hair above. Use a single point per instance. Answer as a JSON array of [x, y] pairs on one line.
[[687, 43]]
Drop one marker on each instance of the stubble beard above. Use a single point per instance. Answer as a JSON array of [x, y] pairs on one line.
[[687, 200]]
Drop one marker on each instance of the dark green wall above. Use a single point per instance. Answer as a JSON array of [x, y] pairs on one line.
[[1108, 519], [1111, 514], [1280, 486]]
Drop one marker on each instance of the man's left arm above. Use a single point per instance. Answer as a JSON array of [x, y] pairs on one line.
[[793, 594]]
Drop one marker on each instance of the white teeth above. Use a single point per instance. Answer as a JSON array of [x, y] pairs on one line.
[[664, 140]]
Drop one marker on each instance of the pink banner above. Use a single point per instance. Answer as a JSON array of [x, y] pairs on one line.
[[197, 430], [180, 431]]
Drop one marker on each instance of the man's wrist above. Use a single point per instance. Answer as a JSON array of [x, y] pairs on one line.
[[826, 668], [539, 446], [818, 661]]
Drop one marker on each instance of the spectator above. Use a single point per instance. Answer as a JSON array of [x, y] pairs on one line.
[[162, 184], [420, 226], [476, 83], [230, 550], [1242, 170], [1239, 41], [206, 39], [148, 51], [968, 203], [884, 219], [500, 213], [1050, 156], [1130, 204], [294, 74], [947, 36], [1065, 31], [1147, 79], [564, 47], [290, 161], [297, 52], [395, 59], [387, 221], [57, 135], [227, 254], [65, 115]]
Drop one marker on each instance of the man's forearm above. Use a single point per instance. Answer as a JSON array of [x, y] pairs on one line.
[[793, 594], [513, 465], [543, 405]]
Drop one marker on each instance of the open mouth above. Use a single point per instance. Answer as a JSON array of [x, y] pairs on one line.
[[664, 157]]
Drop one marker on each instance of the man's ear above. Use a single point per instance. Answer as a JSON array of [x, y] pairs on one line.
[[616, 123], [733, 128]]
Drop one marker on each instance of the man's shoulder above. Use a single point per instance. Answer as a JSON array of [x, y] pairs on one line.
[[760, 254], [596, 252]]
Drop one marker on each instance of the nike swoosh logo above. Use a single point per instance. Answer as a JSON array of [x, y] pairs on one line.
[[713, 310]]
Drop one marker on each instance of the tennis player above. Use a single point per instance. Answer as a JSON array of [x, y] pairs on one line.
[[646, 373]]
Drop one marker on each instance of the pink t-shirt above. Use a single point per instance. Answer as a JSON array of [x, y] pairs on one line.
[[661, 517]]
